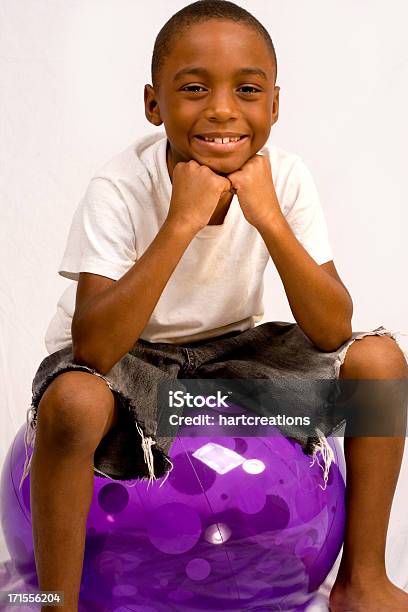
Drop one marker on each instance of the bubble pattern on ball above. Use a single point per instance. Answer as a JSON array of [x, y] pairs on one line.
[[245, 539]]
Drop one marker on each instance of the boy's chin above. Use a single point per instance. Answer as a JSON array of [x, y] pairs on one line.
[[223, 169], [220, 173]]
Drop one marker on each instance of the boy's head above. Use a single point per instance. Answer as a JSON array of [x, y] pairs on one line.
[[213, 75]]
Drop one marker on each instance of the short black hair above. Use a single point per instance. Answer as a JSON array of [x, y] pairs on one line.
[[199, 12]]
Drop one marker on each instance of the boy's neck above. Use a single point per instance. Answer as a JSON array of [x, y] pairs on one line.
[[220, 212]]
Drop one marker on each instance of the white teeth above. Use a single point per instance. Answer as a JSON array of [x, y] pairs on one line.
[[222, 140]]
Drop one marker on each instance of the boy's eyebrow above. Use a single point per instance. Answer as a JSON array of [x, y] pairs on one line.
[[200, 71]]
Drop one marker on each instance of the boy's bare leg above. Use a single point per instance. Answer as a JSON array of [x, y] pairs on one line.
[[373, 466], [75, 412]]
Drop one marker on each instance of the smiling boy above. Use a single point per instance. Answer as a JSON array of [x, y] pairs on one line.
[[169, 247]]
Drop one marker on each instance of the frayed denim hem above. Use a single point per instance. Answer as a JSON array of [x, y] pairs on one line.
[[379, 331], [319, 443], [147, 442], [156, 462]]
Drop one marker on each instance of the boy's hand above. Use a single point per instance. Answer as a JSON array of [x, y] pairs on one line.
[[195, 195], [256, 193]]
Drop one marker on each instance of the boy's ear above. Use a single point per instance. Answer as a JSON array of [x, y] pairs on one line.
[[275, 106], [152, 110]]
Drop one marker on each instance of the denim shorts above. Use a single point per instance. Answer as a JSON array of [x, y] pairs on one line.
[[131, 449]]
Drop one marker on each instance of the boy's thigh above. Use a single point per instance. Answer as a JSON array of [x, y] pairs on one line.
[[271, 350], [277, 370], [78, 406]]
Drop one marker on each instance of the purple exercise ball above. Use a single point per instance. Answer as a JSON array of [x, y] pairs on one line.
[[239, 524]]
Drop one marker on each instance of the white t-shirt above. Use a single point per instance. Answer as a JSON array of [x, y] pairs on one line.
[[217, 285]]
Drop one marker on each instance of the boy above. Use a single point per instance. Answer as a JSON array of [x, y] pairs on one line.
[[168, 248]]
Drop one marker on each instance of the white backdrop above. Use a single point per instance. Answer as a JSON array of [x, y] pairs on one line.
[[71, 85]]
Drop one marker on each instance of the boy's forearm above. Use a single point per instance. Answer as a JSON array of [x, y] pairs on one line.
[[112, 322], [319, 303]]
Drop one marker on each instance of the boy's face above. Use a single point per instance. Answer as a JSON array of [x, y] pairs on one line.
[[215, 95]]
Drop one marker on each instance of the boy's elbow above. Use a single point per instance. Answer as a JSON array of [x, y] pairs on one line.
[[80, 357], [83, 355], [332, 343]]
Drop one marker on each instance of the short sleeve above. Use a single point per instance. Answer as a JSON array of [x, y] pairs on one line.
[[305, 215], [101, 238]]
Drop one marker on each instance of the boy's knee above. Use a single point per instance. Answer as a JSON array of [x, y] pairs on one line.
[[375, 357], [77, 409]]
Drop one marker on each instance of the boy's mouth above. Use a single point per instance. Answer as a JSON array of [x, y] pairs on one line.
[[221, 143]]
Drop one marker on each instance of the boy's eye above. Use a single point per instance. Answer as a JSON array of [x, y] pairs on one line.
[[191, 88], [194, 88], [254, 89]]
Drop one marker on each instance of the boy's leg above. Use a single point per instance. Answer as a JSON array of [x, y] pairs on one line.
[[76, 411], [373, 465]]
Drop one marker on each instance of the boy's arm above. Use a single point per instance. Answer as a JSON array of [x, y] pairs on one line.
[[107, 322], [319, 301], [111, 315]]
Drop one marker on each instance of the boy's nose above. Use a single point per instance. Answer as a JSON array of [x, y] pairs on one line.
[[221, 106]]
